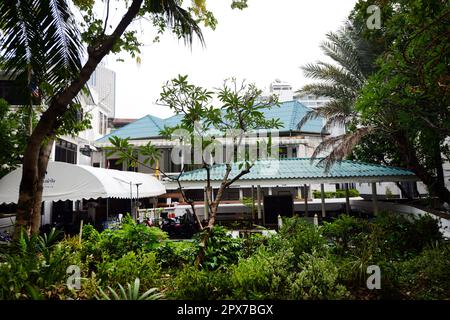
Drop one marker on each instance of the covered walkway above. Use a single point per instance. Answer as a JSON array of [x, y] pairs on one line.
[[300, 172]]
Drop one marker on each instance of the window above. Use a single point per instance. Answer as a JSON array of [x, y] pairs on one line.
[[65, 151]]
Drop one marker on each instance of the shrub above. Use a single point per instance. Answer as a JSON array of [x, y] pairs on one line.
[[301, 235], [115, 243], [193, 284], [129, 267], [336, 194], [131, 294], [398, 236], [262, 276], [176, 254], [36, 265], [426, 276], [345, 232], [222, 249], [318, 279]]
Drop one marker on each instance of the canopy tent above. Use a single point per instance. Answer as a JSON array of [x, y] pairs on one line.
[[65, 181]]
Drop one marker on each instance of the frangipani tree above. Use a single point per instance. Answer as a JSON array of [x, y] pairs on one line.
[[239, 113]]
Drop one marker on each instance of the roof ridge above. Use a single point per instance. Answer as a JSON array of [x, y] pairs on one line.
[[153, 120]]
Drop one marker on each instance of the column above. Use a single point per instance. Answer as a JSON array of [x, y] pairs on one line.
[[374, 198], [306, 199], [322, 198], [258, 200], [347, 200]]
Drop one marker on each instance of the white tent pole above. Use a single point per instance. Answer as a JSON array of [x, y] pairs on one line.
[[131, 198]]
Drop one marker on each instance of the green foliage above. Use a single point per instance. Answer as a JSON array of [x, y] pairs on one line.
[[426, 276], [404, 236], [131, 294], [264, 275], [300, 235], [130, 266], [36, 265], [409, 91], [193, 284], [302, 261], [318, 279], [14, 131], [173, 254], [345, 231], [116, 243], [222, 250], [336, 194]]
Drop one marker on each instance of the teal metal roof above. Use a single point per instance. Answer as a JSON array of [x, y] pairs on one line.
[[299, 168], [290, 113], [145, 127]]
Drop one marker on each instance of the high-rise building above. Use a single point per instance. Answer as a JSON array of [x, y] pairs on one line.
[[103, 88]]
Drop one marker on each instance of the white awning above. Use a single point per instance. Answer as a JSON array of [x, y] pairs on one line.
[[65, 181]]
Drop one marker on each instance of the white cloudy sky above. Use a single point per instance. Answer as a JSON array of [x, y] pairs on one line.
[[266, 41]]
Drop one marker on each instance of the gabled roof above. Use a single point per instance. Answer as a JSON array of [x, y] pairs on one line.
[[305, 169], [290, 113]]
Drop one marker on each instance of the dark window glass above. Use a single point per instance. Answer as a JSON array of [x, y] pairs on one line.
[[65, 152]]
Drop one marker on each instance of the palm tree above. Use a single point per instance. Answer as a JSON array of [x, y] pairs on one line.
[[340, 81]]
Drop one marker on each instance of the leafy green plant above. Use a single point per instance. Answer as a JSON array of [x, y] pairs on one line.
[[426, 276], [222, 250], [264, 275], [35, 265], [131, 294], [116, 243], [193, 284], [345, 231], [404, 236], [301, 235], [318, 279], [130, 266], [175, 254], [336, 194]]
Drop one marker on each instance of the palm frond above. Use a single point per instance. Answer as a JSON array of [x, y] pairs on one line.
[[40, 38], [333, 91], [176, 17], [332, 74], [340, 146]]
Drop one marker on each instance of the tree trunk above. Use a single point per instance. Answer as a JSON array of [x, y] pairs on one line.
[[214, 206], [435, 185], [50, 121], [44, 157]]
